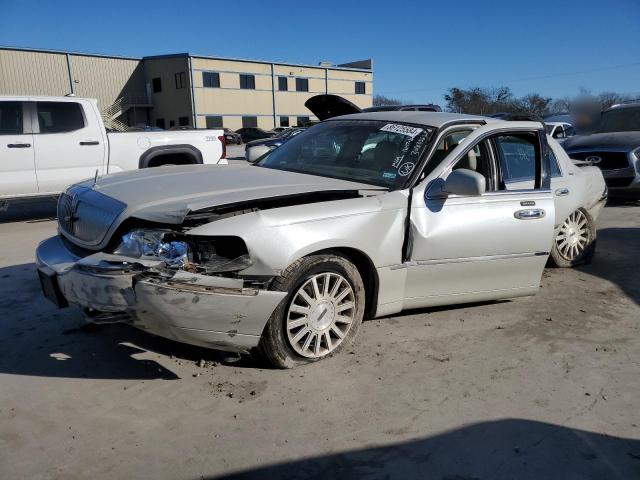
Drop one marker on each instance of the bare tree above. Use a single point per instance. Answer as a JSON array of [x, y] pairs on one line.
[[608, 99], [381, 100]]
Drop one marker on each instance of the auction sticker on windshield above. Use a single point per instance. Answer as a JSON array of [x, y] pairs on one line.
[[402, 129]]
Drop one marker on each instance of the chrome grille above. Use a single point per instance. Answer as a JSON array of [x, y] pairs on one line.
[[606, 160], [85, 215]]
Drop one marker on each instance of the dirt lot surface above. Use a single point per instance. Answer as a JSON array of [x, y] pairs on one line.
[[543, 387]]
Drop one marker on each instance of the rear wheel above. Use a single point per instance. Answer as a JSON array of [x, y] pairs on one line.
[[575, 242], [320, 315]]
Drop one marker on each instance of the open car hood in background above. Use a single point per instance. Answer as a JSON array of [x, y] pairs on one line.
[[329, 106]]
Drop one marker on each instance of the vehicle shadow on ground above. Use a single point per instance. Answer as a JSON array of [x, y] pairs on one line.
[[39, 339], [502, 449], [617, 259]]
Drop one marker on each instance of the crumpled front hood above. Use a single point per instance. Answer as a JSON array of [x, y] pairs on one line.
[[167, 194], [606, 141]]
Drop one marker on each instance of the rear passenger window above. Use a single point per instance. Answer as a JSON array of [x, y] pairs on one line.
[[517, 161], [553, 163], [10, 118], [59, 117]]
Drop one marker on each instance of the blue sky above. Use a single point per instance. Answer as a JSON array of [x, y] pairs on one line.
[[420, 48]]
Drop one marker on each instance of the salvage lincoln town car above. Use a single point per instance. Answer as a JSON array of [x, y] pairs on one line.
[[360, 216]]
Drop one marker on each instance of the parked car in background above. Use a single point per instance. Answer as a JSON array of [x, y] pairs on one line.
[[48, 143], [253, 133], [404, 108], [560, 130], [232, 137], [251, 154], [614, 148], [359, 216]]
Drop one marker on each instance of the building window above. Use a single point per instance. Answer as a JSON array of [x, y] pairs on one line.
[[58, 117], [302, 121], [10, 118], [181, 80], [249, 122], [284, 121], [283, 84], [302, 84], [210, 79], [214, 121], [183, 121], [247, 82], [172, 123], [156, 85], [160, 123], [360, 90]]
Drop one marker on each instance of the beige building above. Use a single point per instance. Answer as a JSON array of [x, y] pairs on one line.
[[184, 90]]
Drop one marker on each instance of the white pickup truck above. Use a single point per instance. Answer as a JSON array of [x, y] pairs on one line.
[[48, 143]]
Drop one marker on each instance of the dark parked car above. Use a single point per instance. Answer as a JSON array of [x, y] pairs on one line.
[[253, 133], [232, 137], [273, 142], [614, 147]]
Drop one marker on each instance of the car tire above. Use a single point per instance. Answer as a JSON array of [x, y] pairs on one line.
[[300, 331], [575, 242]]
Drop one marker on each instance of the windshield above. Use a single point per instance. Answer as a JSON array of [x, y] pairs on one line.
[[620, 120], [374, 152]]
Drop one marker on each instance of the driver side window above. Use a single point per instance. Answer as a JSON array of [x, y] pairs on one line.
[[480, 160]]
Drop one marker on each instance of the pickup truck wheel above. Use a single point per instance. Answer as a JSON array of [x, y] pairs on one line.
[[575, 242], [320, 315]]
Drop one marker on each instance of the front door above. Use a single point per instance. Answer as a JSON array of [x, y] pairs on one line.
[[474, 248], [17, 168], [68, 145]]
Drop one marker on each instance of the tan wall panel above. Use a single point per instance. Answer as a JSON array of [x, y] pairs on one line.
[[108, 79], [230, 65], [362, 101], [299, 71], [33, 73], [349, 75], [222, 101]]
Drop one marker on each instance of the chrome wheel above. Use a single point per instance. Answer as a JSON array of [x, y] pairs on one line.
[[320, 315], [573, 237]]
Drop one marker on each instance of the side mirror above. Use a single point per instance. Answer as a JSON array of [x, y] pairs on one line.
[[253, 154], [465, 182]]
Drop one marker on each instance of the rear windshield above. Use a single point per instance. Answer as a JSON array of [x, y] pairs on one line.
[[620, 120], [379, 153]]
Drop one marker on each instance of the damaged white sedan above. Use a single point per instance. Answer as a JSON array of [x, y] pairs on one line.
[[360, 216]]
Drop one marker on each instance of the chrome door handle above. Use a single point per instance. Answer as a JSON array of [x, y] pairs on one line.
[[529, 214], [561, 192]]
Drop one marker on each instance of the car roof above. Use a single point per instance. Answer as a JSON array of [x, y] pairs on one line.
[[44, 98], [429, 119], [621, 106]]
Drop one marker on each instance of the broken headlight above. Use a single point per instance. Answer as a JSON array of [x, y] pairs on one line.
[[154, 244], [196, 254]]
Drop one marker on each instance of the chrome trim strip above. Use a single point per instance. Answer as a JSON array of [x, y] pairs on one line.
[[484, 258]]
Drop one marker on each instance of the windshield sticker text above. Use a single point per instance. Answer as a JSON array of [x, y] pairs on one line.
[[389, 175], [406, 168], [402, 129]]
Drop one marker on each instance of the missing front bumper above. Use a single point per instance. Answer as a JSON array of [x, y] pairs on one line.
[[214, 312]]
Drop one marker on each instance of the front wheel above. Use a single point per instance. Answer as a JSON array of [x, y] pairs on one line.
[[575, 242], [320, 315]]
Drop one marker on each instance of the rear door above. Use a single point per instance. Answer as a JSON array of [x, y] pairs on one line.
[[483, 247], [69, 145], [17, 168]]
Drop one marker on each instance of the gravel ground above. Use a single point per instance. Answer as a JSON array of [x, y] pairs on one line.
[[539, 387]]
